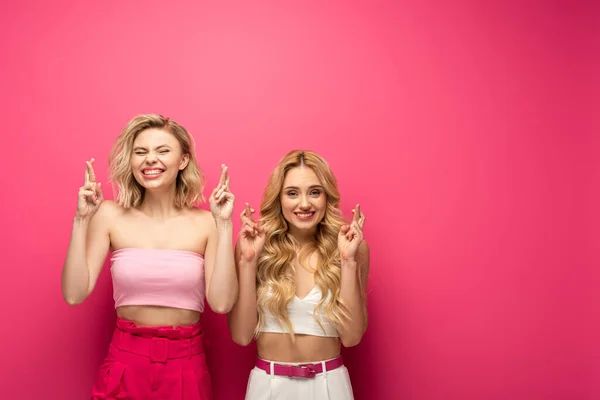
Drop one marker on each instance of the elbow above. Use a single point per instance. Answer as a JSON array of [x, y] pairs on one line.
[[73, 297], [220, 307], [242, 340], [73, 300], [351, 341], [74, 294], [239, 336]]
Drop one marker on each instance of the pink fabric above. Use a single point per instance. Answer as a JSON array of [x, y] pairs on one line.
[[158, 277], [153, 363], [306, 370]]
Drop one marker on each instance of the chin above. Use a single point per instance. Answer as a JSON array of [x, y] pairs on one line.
[[155, 184], [305, 227]]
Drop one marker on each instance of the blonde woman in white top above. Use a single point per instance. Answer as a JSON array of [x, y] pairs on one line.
[[302, 274]]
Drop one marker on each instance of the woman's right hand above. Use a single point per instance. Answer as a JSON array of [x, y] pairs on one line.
[[252, 236], [90, 194]]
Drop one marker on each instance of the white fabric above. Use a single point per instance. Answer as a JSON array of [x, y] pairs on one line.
[[302, 316], [328, 385]]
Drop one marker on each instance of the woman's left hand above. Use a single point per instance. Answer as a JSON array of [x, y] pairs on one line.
[[221, 200], [351, 236]]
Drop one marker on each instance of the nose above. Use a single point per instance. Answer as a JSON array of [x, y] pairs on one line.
[[151, 158], [304, 203]]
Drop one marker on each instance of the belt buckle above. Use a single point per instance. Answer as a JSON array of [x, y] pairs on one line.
[[308, 370], [159, 350]]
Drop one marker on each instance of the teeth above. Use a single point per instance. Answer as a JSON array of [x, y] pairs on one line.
[[304, 215], [153, 172]]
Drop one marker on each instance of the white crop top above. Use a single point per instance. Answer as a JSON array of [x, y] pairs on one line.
[[302, 316]]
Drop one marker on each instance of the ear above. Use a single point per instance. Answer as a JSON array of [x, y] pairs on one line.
[[184, 162]]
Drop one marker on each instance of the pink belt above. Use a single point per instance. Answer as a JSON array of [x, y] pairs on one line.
[[301, 370]]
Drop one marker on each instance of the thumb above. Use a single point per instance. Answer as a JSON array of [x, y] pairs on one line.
[[228, 195], [260, 228]]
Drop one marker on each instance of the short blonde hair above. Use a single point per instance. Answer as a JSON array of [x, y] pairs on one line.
[[129, 193]]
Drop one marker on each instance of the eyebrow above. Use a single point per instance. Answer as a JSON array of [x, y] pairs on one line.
[[297, 188], [157, 148]]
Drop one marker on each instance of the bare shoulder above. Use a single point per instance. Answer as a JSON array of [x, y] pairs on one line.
[[202, 217], [109, 210], [111, 207], [199, 213]]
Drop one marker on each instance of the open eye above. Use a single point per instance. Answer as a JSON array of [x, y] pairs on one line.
[[315, 192]]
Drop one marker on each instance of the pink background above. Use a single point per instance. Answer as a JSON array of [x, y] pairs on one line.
[[465, 131]]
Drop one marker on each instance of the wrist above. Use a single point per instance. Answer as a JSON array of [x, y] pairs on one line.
[[81, 219], [245, 263], [349, 262], [224, 223]]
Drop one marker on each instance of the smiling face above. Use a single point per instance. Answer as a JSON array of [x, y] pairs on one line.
[[157, 159], [303, 200]]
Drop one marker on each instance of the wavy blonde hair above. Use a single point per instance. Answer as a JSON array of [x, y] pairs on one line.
[[275, 268], [190, 180]]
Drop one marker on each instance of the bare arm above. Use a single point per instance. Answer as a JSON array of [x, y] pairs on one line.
[[89, 241], [221, 279], [354, 253], [243, 318], [355, 274]]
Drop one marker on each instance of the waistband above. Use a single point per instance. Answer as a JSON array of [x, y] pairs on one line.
[[159, 344], [178, 332], [300, 370]]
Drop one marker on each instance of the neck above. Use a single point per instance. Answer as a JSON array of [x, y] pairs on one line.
[[304, 237], [160, 204]]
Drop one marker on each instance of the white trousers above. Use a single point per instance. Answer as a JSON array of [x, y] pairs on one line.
[[328, 385]]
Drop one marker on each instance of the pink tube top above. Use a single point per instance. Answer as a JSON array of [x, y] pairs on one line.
[[158, 277]]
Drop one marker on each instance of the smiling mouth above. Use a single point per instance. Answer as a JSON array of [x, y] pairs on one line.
[[152, 172], [305, 215]]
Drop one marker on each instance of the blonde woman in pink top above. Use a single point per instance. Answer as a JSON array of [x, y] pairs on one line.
[[167, 256]]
